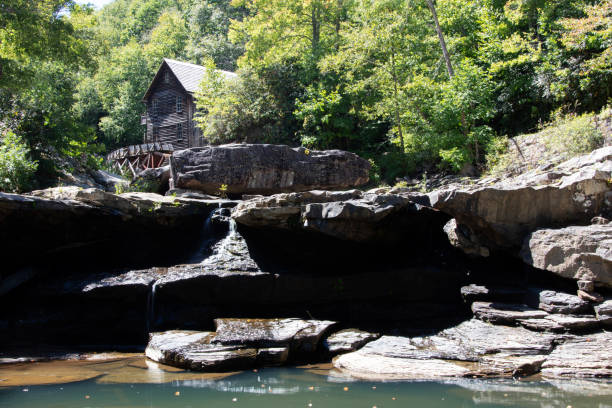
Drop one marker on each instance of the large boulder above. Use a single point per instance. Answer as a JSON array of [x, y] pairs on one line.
[[265, 169], [580, 252], [500, 214]]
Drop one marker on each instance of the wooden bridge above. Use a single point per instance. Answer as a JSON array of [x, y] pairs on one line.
[[136, 158]]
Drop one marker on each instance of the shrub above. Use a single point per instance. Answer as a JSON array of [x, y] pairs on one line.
[[572, 135], [16, 168]]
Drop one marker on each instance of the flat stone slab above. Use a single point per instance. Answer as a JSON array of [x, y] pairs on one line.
[[348, 340], [301, 335], [563, 303], [585, 356], [379, 367], [193, 350], [473, 292], [505, 313], [472, 348]]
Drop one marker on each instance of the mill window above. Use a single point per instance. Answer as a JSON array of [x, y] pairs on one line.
[[167, 77], [155, 107], [179, 132], [155, 133], [179, 104]]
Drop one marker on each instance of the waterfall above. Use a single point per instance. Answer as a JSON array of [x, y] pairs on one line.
[[207, 237], [150, 317]]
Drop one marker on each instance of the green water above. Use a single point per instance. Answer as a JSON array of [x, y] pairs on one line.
[[294, 387]]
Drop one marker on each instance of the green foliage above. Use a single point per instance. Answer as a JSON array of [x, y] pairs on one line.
[[366, 76], [222, 191], [497, 157], [572, 135], [256, 107], [16, 168], [565, 137], [454, 158]]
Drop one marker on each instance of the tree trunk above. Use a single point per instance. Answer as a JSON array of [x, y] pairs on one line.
[[316, 28], [397, 108], [449, 66]]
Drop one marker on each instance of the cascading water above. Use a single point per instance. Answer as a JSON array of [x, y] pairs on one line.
[[211, 245], [151, 308], [207, 238]]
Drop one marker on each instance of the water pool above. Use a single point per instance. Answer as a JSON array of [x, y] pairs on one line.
[[135, 382]]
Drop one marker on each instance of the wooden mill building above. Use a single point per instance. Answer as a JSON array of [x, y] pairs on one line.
[[170, 104]]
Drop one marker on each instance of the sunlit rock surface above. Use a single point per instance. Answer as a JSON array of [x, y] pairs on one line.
[[266, 169], [239, 344], [471, 348], [580, 253], [348, 340], [584, 356], [500, 214]]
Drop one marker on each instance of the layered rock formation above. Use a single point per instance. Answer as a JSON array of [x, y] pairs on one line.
[[230, 285], [583, 253], [500, 214], [265, 169], [239, 344]]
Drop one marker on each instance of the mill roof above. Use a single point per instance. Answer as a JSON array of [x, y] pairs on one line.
[[189, 75]]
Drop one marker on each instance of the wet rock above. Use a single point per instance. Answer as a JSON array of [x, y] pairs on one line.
[[266, 169], [579, 252], [505, 313], [303, 336], [584, 356], [272, 356], [503, 213], [193, 350], [348, 340], [563, 303], [473, 292], [238, 344], [471, 348]]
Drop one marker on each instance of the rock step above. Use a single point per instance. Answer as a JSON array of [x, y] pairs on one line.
[[478, 349], [535, 319], [473, 292], [244, 343]]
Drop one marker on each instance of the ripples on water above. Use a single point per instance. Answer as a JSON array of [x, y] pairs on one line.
[[134, 383]]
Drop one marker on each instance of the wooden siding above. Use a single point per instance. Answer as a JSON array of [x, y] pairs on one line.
[[167, 118]]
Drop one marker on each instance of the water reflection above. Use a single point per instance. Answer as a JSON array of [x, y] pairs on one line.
[[137, 382]]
